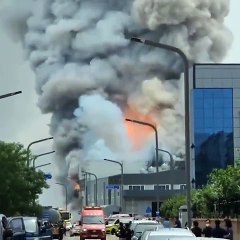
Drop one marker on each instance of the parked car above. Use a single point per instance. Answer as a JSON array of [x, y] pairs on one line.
[[134, 223], [145, 226], [170, 234], [68, 226], [113, 224], [25, 228], [75, 230]]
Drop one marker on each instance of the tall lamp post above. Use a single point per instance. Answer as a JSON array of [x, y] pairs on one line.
[[121, 192], [10, 94], [187, 113], [40, 155], [65, 187], [156, 149], [34, 142], [96, 188]]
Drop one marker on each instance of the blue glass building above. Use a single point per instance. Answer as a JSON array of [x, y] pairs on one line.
[[216, 122], [213, 131]]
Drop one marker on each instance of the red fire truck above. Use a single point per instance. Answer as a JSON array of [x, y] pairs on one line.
[[92, 223]]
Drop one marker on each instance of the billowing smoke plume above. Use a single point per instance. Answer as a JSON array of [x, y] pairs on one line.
[[90, 76]]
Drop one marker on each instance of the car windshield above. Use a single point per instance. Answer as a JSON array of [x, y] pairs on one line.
[[31, 225], [93, 220], [65, 215], [111, 220], [144, 227]]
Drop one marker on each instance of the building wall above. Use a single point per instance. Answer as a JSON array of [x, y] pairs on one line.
[[216, 111], [137, 207], [141, 188]]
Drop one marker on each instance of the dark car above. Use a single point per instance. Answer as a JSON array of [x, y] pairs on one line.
[[25, 228]]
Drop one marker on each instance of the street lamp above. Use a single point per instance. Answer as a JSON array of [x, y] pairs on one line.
[[65, 187], [40, 155], [187, 113], [96, 183], [43, 165], [171, 163], [156, 149], [171, 157], [34, 142], [121, 165], [10, 94]]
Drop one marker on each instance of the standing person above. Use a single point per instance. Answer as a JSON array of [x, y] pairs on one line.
[[166, 223], [121, 233], [177, 223], [196, 229], [207, 231], [61, 231], [229, 231], [218, 232], [128, 232]]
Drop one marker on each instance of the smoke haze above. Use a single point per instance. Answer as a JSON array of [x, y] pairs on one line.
[[90, 76]]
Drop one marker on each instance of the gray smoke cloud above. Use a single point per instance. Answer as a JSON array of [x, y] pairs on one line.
[[88, 73]]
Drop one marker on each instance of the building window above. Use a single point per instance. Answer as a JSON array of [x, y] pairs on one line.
[[213, 131], [136, 188], [183, 187], [161, 187]]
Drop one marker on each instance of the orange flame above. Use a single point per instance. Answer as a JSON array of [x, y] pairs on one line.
[[76, 183], [138, 134]]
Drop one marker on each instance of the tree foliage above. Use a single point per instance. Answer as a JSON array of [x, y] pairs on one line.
[[19, 184], [220, 197], [170, 207]]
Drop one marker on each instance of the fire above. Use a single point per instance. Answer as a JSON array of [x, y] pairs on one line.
[[137, 133], [76, 185]]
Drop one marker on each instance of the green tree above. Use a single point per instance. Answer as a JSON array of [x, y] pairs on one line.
[[225, 185], [19, 184], [170, 207]]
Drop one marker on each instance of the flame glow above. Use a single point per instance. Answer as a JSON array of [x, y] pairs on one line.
[[137, 133]]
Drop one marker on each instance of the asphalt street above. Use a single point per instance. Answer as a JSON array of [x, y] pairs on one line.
[[109, 237]]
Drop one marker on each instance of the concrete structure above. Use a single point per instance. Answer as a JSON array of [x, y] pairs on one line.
[[139, 190], [216, 118]]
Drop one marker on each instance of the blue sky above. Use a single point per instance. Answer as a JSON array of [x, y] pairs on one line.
[[21, 120]]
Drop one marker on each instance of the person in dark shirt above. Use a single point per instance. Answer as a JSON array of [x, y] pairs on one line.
[[207, 231], [128, 232], [197, 231], [218, 232], [121, 233], [61, 231], [177, 223], [229, 231]]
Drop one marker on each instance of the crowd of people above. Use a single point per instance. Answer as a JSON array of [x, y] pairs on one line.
[[216, 232]]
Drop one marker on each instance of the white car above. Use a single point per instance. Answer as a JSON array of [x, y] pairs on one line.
[[135, 222], [169, 234], [68, 226], [140, 228]]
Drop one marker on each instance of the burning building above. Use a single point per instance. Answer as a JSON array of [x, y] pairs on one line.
[[90, 76]]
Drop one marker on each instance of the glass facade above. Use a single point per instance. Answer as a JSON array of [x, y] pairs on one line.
[[213, 131]]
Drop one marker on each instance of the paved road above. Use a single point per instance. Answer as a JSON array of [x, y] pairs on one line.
[[109, 237]]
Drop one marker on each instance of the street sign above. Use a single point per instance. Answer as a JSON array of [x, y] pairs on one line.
[[48, 176], [112, 186]]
